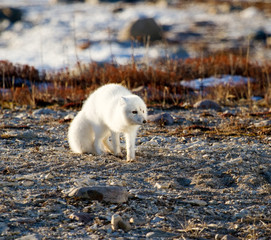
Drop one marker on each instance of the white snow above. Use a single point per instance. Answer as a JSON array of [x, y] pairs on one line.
[[226, 80], [49, 34]]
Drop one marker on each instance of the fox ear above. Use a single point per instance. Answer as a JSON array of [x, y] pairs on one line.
[[123, 101]]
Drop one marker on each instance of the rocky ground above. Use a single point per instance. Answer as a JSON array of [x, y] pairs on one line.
[[205, 176]]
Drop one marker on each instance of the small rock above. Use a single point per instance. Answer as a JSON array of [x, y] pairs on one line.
[[82, 217], [207, 104], [229, 237], [164, 185], [118, 223], [250, 13], [8, 184], [69, 117], [113, 194], [28, 183], [156, 220], [115, 221], [125, 226], [49, 176], [30, 237], [243, 213], [196, 202], [139, 221], [23, 220], [43, 111], [185, 182], [164, 118]]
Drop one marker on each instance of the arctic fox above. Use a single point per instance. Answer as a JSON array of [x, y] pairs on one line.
[[110, 110]]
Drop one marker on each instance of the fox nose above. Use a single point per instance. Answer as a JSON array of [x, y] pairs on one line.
[[144, 121]]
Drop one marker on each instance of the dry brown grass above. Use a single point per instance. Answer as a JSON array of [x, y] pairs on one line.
[[159, 84]]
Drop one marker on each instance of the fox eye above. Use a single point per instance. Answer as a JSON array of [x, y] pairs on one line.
[[134, 112]]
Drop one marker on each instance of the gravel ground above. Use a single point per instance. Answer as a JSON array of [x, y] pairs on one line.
[[206, 176]]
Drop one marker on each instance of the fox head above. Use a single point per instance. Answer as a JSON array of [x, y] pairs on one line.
[[135, 109]]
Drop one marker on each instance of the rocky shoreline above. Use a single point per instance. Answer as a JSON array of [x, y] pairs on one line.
[[206, 175]]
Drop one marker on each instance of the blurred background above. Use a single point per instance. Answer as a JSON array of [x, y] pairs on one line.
[[56, 34]]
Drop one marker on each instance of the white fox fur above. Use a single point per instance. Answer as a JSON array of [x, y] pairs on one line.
[[110, 110]]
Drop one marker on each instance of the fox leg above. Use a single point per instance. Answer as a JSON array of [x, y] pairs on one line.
[[116, 143], [100, 135], [107, 145], [130, 144]]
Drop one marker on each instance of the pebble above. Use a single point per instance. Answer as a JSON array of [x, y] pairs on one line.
[[118, 223], [196, 202], [28, 183]]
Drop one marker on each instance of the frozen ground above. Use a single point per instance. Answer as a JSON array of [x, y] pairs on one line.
[[49, 35]]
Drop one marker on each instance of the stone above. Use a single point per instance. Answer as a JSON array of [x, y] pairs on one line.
[[250, 13], [28, 183], [82, 217], [115, 221], [207, 104], [124, 225], [143, 30], [164, 185], [118, 223], [11, 14], [112, 194], [229, 237], [243, 213], [30, 237], [185, 182], [161, 118], [196, 202]]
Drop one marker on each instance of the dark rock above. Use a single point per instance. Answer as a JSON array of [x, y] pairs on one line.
[[208, 104], [82, 217], [143, 29], [163, 118], [185, 182], [260, 35], [11, 14]]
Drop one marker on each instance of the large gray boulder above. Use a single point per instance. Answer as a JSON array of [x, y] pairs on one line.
[[143, 30]]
